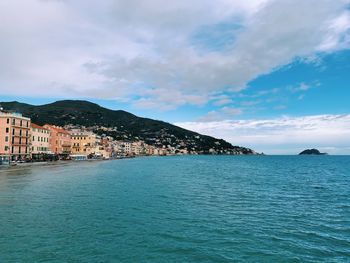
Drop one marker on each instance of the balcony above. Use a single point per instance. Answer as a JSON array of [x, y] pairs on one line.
[[17, 125], [23, 144], [18, 135]]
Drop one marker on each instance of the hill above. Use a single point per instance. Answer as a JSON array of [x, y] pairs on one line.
[[122, 125], [311, 152]]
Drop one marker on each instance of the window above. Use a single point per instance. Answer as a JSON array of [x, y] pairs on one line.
[[7, 130], [8, 121], [20, 123], [33, 138], [13, 131], [6, 148], [13, 121], [6, 138]]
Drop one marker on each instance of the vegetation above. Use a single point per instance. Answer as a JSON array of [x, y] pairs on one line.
[[311, 152], [122, 125]]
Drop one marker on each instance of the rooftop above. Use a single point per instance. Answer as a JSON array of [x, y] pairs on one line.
[[56, 128], [36, 126], [5, 113]]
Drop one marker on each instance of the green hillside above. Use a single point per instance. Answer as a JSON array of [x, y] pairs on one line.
[[126, 125]]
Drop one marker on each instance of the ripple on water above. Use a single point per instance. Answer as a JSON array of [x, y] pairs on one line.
[[178, 209]]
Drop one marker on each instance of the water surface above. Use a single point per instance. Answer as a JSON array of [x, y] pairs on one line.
[[178, 209]]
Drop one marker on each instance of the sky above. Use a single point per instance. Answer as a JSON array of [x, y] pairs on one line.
[[267, 74]]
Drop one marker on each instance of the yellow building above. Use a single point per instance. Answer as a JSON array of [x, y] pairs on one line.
[[83, 143]]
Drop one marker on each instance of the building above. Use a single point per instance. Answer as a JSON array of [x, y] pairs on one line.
[[40, 140], [138, 148], [60, 140], [101, 152], [83, 142], [107, 143], [150, 149], [14, 136], [126, 148]]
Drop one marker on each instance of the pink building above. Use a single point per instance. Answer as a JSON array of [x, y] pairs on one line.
[[40, 140], [14, 136], [60, 140]]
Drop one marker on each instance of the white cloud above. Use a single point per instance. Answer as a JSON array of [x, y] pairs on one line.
[[221, 100], [220, 114], [287, 135], [211, 116], [118, 49], [302, 87], [231, 111], [338, 36]]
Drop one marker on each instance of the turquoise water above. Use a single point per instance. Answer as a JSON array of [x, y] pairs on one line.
[[178, 209]]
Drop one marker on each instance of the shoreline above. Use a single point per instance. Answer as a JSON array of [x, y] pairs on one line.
[[66, 162], [19, 166]]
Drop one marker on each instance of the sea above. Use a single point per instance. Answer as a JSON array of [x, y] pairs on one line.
[[178, 209]]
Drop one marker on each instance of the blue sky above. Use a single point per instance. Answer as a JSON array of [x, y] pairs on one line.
[[224, 68]]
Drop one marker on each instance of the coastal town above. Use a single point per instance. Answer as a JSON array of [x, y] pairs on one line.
[[21, 140], [24, 141]]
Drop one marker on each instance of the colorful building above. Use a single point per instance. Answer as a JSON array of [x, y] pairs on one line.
[[40, 140], [14, 136], [60, 140], [83, 142], [126, 146], [102, 152]]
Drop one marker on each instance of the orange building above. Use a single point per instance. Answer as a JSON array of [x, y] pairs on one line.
[[14, 136], [60, 140]]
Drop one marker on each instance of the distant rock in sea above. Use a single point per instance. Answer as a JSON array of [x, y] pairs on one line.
[[311, 152]]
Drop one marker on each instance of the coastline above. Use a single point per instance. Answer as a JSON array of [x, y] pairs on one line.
[[67, 162]]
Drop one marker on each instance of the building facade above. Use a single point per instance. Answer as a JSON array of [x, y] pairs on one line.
[[126, 148], [83, 142], [60, 140], [14, 136], [40, 140]]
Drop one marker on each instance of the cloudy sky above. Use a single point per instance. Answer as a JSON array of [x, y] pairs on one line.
[[269, 74]]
